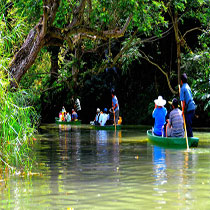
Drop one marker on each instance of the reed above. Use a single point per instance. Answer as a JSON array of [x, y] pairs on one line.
[[17, 126]]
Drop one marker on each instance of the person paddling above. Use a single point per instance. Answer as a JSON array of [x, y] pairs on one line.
[[115, 106], [188, 104]]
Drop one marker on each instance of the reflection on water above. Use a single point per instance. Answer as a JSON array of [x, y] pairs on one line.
[[107, 151], [159, 160], [99, 169]]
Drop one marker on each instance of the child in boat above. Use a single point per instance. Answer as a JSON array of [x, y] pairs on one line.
[[68, 117], [74, 116], [159, 114], [175, 123], [60, 116], [63, 114]]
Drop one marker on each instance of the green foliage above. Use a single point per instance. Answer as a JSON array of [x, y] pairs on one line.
[[17, 126], [18, 118], [12, 32], [64, 14], [149, 18], [30, 10], [197, 66], [131, 55]]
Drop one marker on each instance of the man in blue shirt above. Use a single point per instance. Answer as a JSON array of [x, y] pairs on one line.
[[159, 114], [115, 106], [188, 104]]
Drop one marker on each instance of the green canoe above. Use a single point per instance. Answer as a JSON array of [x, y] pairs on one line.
[[106, 127], [174, 142], [77, 122]]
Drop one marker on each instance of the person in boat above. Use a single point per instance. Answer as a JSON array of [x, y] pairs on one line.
[[60, 116], [74, 115], [110, 120], [188, 104], [103, 117], [175, 126], [159, 114], [100, 118], [167, 118], [77, 106], [120, 120], [63, 113], [63, 110], [96, 120], [106, 114], [68, 117], [115, 106]]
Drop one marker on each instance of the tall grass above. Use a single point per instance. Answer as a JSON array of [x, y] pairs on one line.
[[17, 126], [17, 117]]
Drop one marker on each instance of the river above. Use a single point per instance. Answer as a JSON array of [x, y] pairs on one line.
[[88, 169]]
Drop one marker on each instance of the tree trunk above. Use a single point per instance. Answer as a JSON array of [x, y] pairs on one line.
[[26, 56], [54, 51], [44, 34], [75, 67], [178, 45]]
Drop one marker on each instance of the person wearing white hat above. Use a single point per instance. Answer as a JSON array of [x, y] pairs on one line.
[[159, 115], [96, 120]]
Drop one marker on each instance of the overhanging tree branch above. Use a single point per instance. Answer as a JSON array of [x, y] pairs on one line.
[[85, 31], [163, 72], [45, 34], [192, 29]]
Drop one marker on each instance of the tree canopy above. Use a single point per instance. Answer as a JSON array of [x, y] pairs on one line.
[[68, 39]]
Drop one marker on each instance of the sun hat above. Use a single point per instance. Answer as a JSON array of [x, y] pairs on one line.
[[97, 110], [160, 101]]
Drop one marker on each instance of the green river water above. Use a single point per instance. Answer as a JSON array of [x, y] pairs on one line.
[[88, 169]]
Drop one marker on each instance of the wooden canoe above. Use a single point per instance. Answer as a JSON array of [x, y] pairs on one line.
[[174, 142], [77, 122], [106, 127]]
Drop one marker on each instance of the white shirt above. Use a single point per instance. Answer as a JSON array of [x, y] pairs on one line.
[[77, 103], [103, 118], [68, 117]]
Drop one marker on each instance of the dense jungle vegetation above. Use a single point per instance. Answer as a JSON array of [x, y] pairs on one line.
[[52, 50]]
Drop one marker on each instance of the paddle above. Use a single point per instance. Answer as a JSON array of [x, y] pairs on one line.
[[185, 130], [114, 119]]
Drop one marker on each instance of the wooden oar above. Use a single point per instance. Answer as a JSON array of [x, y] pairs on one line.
[[114, 119], [185, 129]]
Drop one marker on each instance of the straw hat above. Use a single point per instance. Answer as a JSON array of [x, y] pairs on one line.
[[160, 101]]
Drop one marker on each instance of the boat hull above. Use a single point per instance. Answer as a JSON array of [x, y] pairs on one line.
[[106, 127], [174, 142]]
